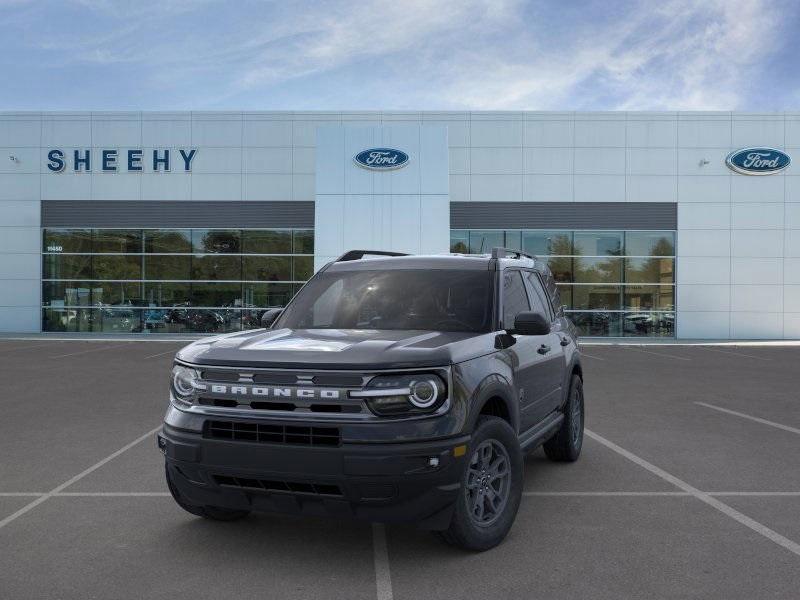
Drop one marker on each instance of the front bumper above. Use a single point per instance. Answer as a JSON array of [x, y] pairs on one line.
[[386, 482]]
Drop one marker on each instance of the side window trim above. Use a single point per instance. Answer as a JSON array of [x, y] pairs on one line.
[[519, 273], [545, 296], [540, 292]]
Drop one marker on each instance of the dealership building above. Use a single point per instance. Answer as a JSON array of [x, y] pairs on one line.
[[656, 225]]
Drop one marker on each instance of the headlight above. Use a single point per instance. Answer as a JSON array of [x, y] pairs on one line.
[[184, 382], [397, 395]]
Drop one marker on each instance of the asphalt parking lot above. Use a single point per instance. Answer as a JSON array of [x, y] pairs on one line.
[[688, 487]]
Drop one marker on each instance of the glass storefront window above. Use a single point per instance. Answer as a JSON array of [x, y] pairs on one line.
[[598, 243], [597, 324], [216, 267], [650, 270], [124, 241], [168, 241], [598, 270], [221, 294], [67, 240], [303, 268], [596, 297], [650, 243], [67, 266], [117, 266], [648, 324], [649, 297], [303, 241], [267, 242], [267, 268], [176, 267], [227, 241], [561, 267], [513, 240], [268, 295], [482, 242], [547, 243], [459, 242], [167, 294], [169, 280]]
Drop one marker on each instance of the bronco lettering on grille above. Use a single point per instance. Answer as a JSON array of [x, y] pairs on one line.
[[275, 392]]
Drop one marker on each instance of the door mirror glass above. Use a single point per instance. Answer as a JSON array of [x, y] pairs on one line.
[[268, 318], [531, 323]]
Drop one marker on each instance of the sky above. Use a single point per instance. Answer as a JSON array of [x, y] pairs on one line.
[[400, 55]]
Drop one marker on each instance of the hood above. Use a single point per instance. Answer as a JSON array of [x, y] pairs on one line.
[[337, 349]]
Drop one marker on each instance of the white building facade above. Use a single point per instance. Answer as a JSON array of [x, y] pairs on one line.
[[196, 222]]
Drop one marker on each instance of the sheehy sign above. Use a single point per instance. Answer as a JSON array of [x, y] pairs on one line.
[[134, 160]]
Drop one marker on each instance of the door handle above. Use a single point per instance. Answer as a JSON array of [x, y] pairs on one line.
[[543, 349]]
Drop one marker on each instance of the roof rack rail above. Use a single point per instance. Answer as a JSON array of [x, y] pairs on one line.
[[359, 254], [508, 253]]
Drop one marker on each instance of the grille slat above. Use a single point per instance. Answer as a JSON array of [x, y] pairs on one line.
[[291, 487], [273, 434]]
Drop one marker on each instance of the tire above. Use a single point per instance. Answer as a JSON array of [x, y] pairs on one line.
[[566, 444], [214, 513], [482, 519]]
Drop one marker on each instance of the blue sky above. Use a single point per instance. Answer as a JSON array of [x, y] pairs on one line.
[[400, 54]]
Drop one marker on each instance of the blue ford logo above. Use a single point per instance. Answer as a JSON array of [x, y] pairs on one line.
[[381, 159], [758, 161]]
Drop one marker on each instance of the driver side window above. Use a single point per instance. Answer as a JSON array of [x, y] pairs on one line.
[[515, 298]]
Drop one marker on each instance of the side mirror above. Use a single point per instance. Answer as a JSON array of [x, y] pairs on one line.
[[531, 323], [269, 316]]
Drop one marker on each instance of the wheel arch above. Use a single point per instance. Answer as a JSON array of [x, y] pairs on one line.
[[495, 397]]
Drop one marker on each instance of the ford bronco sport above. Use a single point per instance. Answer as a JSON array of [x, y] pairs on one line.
[[392, 388]]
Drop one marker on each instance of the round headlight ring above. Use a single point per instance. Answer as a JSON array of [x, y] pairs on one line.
[[424, 393], [182, 378]]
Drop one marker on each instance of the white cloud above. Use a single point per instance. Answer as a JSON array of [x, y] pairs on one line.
[[684, 56], [473, 54], [329, 37]]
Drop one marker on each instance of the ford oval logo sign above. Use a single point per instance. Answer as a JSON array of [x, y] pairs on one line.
[[758, 161], [381, 159]]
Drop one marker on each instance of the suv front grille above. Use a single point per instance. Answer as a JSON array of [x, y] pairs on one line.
[[304, 435], [349, 408], [289, 487]]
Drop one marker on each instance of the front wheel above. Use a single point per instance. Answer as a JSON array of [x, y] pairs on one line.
[[215, 513], [491, 488], [566, 444]]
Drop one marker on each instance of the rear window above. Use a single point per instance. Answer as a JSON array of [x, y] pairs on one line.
[[439, 300]]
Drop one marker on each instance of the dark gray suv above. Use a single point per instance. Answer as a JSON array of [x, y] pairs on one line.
[[392, 388]]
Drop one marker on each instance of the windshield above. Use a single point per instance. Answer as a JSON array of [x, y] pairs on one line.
[[440, 300]]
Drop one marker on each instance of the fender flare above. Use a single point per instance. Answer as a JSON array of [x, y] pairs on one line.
[[494, 386]]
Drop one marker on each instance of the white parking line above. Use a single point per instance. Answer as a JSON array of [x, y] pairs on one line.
[[653, 494], [604, 494], [591, 356], [31, 505], [734, 514], [112, 494], [383, 576], [755, 494], [751, 418], [87, 351], [161, 353], [741, 354], [23, 348], [656, 353]]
